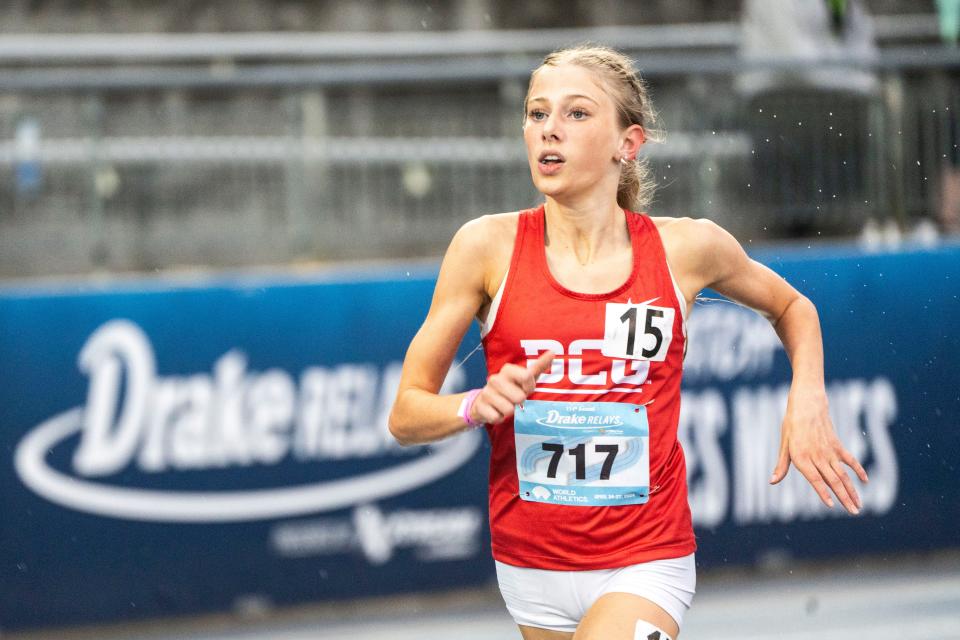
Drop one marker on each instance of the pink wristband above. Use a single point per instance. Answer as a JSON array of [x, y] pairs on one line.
[[465, 405]]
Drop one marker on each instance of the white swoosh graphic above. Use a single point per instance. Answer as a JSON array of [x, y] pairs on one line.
[[222, 506]]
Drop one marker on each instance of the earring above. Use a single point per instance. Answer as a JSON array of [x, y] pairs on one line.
[[623, 161]]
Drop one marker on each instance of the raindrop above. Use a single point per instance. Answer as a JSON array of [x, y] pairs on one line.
[[831, 113], [767, 139], [918, 163], [423, 23], [713, 132], [799, 124], [760, 110]]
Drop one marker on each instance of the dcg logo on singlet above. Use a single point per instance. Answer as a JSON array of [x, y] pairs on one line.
[[570, 367]]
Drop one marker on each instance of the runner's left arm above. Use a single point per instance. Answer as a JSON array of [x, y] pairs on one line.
[[807, 437]]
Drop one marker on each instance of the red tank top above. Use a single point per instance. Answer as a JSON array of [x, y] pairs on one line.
[[535, 313]]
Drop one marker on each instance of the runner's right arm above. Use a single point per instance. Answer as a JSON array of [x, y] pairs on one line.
[[419, 414]]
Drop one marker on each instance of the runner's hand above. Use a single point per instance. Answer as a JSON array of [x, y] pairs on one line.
[[508, 388], [807, 439]]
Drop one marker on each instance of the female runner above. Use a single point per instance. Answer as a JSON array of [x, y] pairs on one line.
[[583, 305]]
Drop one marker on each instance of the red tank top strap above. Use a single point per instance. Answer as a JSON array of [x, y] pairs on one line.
[[655, 245], [522, 243]]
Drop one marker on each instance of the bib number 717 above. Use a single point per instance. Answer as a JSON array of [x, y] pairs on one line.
[[580, 453], [637, 331]]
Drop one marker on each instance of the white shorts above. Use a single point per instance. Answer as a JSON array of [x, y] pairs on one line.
[[557, 600]]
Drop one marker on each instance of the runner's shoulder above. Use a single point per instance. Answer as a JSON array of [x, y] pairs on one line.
[[690, 233], [697, 248], [488, 236], [678, 224], [494, 226]]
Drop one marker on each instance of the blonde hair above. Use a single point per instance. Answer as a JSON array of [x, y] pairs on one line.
[[632, 100]]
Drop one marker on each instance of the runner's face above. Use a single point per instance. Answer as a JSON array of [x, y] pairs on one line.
[[571, 115]]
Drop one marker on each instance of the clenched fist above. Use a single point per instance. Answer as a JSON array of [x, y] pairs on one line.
[[508, 388]]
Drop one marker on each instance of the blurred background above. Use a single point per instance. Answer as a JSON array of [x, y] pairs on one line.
[[154, 135], [220, 225]]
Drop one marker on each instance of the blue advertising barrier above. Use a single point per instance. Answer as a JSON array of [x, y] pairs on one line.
[[172, 449], [176, 448]]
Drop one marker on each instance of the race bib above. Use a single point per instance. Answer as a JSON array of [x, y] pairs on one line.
[[588, 454], [637, 331]]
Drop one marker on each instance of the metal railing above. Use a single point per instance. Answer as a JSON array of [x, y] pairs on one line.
[[178, 47], [142, 167]]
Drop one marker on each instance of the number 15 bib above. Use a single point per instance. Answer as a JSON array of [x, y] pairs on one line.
[[637, 331], [582, 453]]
